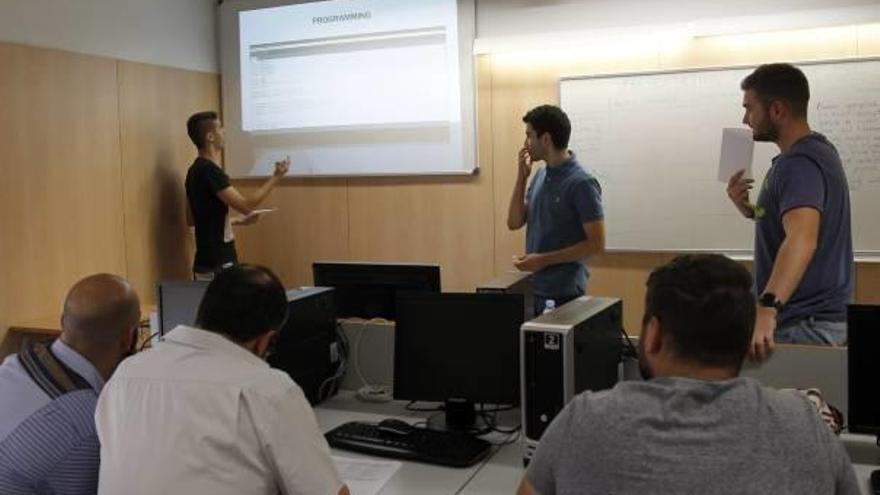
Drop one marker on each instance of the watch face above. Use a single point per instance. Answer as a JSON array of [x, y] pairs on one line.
[[768, 300]]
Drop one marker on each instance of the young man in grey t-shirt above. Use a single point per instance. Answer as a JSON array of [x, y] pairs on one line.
[[692, 426]]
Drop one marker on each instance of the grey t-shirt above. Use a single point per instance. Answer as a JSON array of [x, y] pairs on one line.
[[808, 175], [560, 200], [680, 435]]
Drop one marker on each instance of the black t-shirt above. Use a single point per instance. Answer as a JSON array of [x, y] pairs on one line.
[[203, 181]]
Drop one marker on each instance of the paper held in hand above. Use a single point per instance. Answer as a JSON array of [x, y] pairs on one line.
[[257, 212], [737, 148]]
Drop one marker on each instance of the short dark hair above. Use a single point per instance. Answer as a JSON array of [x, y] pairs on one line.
[[705, 304], [198, 125], [242, 303], [784, 82], [552, 120]]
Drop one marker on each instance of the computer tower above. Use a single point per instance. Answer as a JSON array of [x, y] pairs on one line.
[[574, 348], [514, 282], [307, 347]]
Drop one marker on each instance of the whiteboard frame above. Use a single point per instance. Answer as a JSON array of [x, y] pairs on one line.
[[870, 256]]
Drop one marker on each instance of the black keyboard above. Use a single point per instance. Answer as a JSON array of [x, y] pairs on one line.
[[431, 446]]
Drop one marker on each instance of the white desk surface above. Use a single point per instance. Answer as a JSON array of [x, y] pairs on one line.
[[501, 472]]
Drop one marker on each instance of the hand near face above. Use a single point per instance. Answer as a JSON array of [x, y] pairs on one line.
[[524, 163]]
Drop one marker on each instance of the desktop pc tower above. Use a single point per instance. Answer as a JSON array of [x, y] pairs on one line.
[[307, 346], [574, 348], [513, 282]]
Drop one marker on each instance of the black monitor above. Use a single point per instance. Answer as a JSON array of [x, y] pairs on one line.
[[863, 334], [369, 290], [179, 303], [460, 349]]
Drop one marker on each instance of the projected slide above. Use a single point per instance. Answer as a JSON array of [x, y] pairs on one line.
[[351, 87]]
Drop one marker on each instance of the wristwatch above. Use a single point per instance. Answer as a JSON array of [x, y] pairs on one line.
[[769, 300]]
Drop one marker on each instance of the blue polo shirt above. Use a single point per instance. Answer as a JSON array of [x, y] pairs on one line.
[[808, 175], [560, 200]]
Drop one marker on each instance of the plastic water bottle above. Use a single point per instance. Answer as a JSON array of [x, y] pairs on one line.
[[549, 305]]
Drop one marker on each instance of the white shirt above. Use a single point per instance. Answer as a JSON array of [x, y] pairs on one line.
[[199, 414]]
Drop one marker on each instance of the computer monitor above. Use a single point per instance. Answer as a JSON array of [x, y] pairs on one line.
[[369, 290], [179, 303], [460, 349], [514, 282], [863, 333]]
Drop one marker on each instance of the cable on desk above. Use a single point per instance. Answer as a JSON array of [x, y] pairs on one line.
[[331, 384]]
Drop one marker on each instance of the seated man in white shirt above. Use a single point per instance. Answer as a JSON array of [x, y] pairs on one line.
[[201, 412]]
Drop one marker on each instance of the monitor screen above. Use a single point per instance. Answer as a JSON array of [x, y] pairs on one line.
[[863, 329], [369, 290], [178, 303], [458, 346]]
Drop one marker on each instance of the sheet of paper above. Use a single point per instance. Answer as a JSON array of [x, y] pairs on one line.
[[737, 147], [365, 477], [260, 211]]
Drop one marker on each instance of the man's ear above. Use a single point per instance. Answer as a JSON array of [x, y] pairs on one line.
[[778, 110], [131, 341], [653, 336], [263, 342]]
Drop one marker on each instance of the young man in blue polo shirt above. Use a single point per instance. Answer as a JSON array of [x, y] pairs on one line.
[[562, 210], [803, 239]]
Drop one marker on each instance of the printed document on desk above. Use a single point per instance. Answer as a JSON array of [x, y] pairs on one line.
[[365, 477], [737, 148]]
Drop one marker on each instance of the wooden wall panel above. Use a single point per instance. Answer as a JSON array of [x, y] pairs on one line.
[[156, 152], [867, 283], [311, 223], [60, 195], [445, 220]]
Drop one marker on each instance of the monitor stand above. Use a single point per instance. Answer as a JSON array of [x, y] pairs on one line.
[[458, 415]]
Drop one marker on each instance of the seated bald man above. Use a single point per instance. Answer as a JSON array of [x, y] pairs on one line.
[[48, 392]]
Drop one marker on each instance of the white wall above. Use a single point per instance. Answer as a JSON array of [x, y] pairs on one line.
[[175, 33], [506, 18]]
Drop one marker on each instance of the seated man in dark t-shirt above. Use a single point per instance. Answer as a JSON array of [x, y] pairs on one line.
[[209, 195]]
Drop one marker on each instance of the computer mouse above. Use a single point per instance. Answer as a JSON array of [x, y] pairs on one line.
[[875, 482], [395, 426]]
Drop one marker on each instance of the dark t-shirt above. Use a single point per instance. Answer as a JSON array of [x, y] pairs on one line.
[[809, 175], [560, 200], [203, 181]]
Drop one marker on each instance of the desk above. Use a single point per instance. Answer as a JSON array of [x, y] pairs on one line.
[[502, 470]]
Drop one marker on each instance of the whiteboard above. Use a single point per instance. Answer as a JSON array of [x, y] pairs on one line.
[[653, 141]]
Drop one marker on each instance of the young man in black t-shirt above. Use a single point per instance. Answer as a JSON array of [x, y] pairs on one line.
[[209, 196]]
